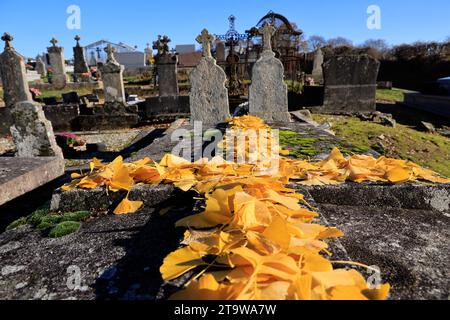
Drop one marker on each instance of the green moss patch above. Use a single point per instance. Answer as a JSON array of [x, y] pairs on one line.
[[64, 229], [304, 147], [52, 224]]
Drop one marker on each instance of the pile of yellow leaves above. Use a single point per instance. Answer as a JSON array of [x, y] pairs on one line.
[[254, 240]]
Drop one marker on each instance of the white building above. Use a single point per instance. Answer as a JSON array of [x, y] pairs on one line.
[[126, 55]]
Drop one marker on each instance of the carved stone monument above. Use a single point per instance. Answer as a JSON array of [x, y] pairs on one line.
[[14, 79], [166, 64], [32, 132], [80, 66], [350, 84], [40, 67], [268, 92], [112, 75], [209, 96], [56, 55], [317, 72]]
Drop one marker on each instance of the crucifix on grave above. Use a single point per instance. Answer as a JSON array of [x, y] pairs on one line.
[[110, 50], [54, 41], [162, 45], [166, 68], [77, 39], [205, 39], [7, 38], [56, 55], [267, 32]]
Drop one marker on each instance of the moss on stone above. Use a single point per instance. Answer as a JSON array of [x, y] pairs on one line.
[[64, 228], [36, 217], [76, 216], [18, 223], [299, 147], [428, 150]]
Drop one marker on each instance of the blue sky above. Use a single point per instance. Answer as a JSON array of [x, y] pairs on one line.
[[137, 22]]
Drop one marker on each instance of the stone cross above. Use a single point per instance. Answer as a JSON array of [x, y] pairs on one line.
[[267, 31], [54, 41], [110, 50], [77, 39], [162, 45], [7, 38], [205, 38]]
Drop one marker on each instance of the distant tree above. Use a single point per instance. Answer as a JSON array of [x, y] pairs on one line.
[[340, 42], [315, 42], [379, 44]]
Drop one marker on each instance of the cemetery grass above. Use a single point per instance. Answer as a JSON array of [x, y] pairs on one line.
[[428, 150], [394, 95], [58, 93]]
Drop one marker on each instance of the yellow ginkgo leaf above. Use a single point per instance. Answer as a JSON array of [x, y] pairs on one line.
[[179, 262], [126, 206], [277, 232], [398, 175]]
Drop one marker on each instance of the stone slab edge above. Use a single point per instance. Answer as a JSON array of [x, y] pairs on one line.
[[49, 169]]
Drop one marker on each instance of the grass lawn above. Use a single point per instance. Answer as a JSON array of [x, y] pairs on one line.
[[428, 150], [58, 93], [394, 95]]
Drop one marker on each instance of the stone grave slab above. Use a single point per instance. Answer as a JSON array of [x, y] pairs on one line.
[[155, 107], [21, 175], [414, 196], [409, 246]]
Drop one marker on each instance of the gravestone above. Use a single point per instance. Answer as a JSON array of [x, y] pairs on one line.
[[31, 131], [350, 84], [115, 114], [112, 75], [40, 67], [80, 65], [56, 55], [268, 92], [220, 51], [14, 79], [317, 72], [166, 64], [209, 96]]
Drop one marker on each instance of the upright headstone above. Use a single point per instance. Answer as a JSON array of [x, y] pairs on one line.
[[166, 65], [209, 96], [220, 52], [112, 75], [80, 66], [268, 92], [14, 79], [350, 84], [40, 67], [56, 55], [317, 72], [32, 132]]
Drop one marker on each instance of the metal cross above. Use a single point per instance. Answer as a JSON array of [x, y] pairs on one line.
[[7, 38], [110, 51], [205, 38], [267, 31], [54, 41]]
